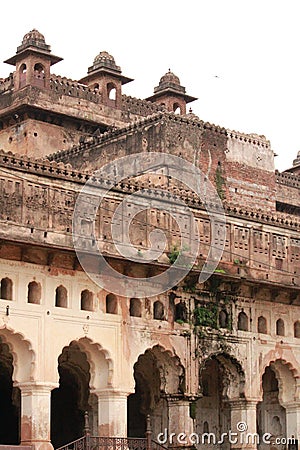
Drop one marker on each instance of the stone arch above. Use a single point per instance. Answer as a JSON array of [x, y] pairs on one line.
[[22, 75], [111, 89], [23, 68], [98, 359], [158, 310], [205, 427], [6, 289], [297, 329], [167, 359], [221, 380], [234, 382], [271, 414], [39, 75], [243, 323], [288, 378], [34, 292], [39, 68], [223, 318], [61, 296], [177, 108], [280, 328], [23, 355], [135, 307], [86, 300], [158, 374], [262, 325], [70, 399], [111, 304], [84, 368], [10, 399]]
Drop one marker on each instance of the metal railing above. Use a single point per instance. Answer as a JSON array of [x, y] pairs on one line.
[[106, 443], [79, 444], [88, 442]]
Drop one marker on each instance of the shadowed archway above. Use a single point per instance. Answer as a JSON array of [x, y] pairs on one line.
[[70, 400], [221, 380], [157, 374], [10, 399]]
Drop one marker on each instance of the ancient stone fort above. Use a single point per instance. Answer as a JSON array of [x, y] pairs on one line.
[[79, 362]]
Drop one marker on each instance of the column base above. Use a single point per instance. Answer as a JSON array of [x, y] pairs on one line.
[[35, 446]]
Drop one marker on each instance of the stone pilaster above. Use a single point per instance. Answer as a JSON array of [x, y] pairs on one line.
[[112, 413], [35, 414], [180, 422], [243, 424], [293, 420]]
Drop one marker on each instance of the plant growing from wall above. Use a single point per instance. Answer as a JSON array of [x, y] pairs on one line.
[[173, 254], [206, 315], [193, 410], [190, 285], [180, 321], [220, 182]]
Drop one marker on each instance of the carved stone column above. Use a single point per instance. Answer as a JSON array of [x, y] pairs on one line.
[[243, 424], [293, 420], [112, 413], [35, 414], [180, 422]]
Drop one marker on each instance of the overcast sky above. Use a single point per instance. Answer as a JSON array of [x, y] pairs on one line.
[[240, 58]]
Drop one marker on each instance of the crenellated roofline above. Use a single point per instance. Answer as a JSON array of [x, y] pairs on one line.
[[61, 171]]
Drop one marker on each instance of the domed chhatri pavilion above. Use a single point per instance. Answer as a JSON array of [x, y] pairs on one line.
[[83, 366]]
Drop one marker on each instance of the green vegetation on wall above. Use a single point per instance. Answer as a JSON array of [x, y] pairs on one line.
[[220, 183]]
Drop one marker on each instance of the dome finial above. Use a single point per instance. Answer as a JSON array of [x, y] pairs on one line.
[[169, 77], [34, 39]]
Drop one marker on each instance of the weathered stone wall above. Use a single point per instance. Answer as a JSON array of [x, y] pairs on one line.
[[39, 208], [217, 152]]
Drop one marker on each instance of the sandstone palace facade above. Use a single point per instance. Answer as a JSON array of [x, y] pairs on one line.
[[202, 357]]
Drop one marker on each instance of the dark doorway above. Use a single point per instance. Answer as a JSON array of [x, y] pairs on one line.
[[70, 400], [156, 373], [136, 420], [271, 416], [10, 400]]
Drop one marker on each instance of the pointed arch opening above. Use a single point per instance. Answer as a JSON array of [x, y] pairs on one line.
[[22, 75], [86, 300], [34, 293], [177, 108], [243, 324], [157, 374], [10, 399], [39, 75], [6, 289], [135, 307], [61, 297], [223, 319], [111, 304], [262, 325], [280, 327], [158, 310], [221, 379], [70, 400], [271, 415], [297, 329], [111, 91]]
